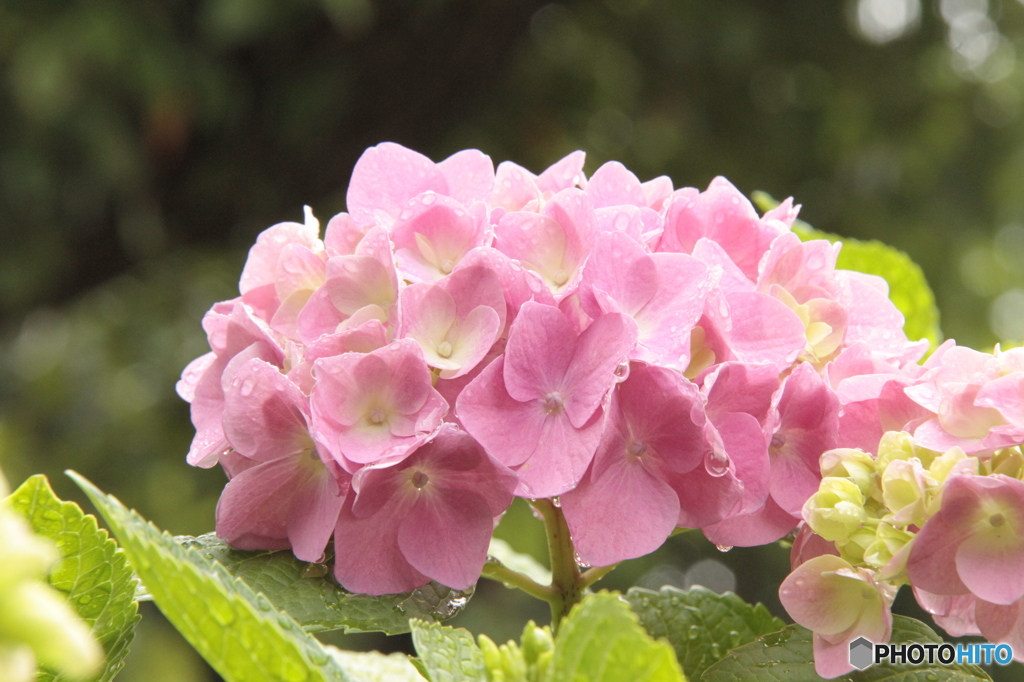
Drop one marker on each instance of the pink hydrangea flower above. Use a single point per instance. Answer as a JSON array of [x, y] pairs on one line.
[[975, 543], [537, 408], [429, 517], [367, 407], [625, 506], [839, 603]]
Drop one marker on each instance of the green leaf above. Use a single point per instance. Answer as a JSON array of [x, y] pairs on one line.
[[310, 595], [239, 633], [701, 626], [448, 654], [523, 563], [373, 666], [602, 641], [788, 655], [92, 572], [908, 287]]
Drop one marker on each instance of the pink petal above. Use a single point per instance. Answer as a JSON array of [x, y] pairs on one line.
[[1002, 624], [562, 455], [367, 557], [564, 173], [625, 513], [265, 414], [445, 536], [759, 328], [343, 235], [386, 177], [601, 348], [469, 175], [613, 184], [476, 336], [621, 268], [541, 344], [514, 187], [762, 527]]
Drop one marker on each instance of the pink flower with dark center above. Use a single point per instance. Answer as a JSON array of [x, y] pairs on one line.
[[429, 517], [287, 495], [625, 506], [537, 408], [367, 407]]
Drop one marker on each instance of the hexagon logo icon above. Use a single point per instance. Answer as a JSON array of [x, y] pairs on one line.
[[862, 653]]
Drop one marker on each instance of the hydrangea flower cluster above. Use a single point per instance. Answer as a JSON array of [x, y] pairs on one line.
[[937, 504], [650, 357]]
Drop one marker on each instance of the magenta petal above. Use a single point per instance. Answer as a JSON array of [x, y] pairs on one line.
[[624, 513], [705, 499], [445, 536]]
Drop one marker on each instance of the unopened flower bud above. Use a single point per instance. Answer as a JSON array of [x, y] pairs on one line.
[[856, 465], [836, 510], [904, 488]]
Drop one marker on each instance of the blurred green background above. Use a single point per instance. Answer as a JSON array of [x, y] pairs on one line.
[[145, 143]]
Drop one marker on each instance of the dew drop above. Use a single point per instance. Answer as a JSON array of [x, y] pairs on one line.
[[723, 548], [622, 371], [723, 307], [247, 387], [716, 462], [693, 632], [429, 198]]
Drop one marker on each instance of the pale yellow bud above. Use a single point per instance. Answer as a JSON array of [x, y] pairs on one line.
[[836, 510]]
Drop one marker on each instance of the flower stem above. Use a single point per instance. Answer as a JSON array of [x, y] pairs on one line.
[[495, 570], [567, 583]]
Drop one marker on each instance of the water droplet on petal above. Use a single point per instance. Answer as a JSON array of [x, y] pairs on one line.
[[716, 462], [247, 386], [622, 371], [723, 548], [429, 198]]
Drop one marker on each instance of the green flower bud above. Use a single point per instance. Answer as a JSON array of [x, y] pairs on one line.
[[889, 540], [904, 489], [836, 510], [1008, 462], [852, 548], [941, 466], [538, 649], [856, 465]]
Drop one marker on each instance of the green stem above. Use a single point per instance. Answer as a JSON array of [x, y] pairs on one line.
[[495, 570], [592, 575], [567, 583]]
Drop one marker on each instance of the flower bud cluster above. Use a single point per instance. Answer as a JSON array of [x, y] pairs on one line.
[[654, 357], [36, 624], [949, 524]]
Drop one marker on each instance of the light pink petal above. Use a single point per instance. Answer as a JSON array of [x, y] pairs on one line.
[[665, 322], [354, 282], [657, 191], [318, 317], [785, 212], [762, 527], [432, 235], [518, 284], [538, 241], [572, 210], [265, 414], [1005, 394], [514, 187], [564, 173], [819, 599], [620, 268], [561, 457], [469, 175], [445, 536], [190, 376], [989, 564], [759, 328], [932, 562], [473, 286], [601, 348], [745, 445], [1002, 624], [626, 220], [740, 387], [299, 268], [508, 429], [541, 344], [475, 337], [343, 235], [613, 184], [428, 312], [873, 318], [625, 513], [954, 614], [386, 177], [261, 266]]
